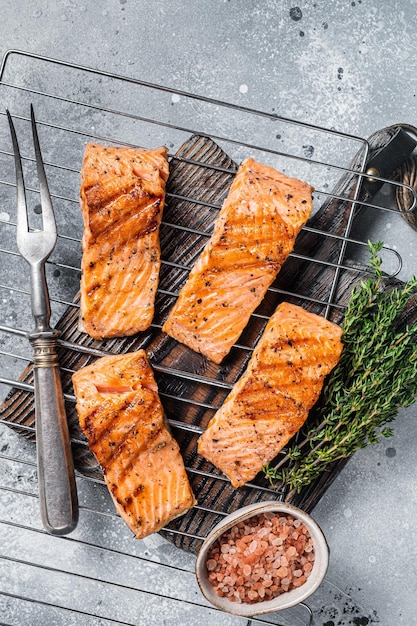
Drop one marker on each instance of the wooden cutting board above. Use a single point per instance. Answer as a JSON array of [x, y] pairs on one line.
[[192, 387]]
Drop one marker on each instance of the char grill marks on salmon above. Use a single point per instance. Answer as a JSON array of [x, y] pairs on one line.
[[253, 236], [272, 399], [122, 198], [122, 417]]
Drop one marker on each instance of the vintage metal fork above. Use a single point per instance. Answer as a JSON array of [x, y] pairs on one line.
[[57, 487]]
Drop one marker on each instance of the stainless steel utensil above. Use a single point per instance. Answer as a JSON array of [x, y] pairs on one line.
[[57, 487]]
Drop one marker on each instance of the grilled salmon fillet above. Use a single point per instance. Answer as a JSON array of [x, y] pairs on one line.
[[271, 401], [122, 197], [122, 417], [253, 236]]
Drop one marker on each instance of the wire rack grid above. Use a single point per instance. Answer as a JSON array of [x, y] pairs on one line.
[[206, 140]]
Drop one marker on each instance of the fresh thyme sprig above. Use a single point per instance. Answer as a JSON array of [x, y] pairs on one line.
[[375, 377]]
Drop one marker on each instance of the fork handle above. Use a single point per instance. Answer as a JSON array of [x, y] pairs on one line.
[[56, 478]]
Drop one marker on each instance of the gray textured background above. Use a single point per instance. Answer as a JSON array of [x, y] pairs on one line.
[[350, 65]]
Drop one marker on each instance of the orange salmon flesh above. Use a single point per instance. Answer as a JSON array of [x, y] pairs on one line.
[[122, 417], [122, 197], [272, 399], [253, 236]]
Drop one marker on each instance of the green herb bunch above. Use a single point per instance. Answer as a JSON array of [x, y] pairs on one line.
[[375, 377]]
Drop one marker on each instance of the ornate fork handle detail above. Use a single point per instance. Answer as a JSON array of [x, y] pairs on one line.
[[56, 477], [57, 494], [44, 344]]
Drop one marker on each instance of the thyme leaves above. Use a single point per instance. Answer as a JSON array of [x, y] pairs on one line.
[[375, 377]]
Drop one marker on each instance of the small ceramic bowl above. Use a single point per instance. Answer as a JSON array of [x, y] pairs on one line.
[[286, 599]]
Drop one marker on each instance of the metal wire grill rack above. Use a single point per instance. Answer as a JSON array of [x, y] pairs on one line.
[[206, 140]]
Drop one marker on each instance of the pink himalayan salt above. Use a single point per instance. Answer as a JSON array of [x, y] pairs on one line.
[[265, 556]]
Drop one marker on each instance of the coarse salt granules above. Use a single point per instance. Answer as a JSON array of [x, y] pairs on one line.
[[260, 558]]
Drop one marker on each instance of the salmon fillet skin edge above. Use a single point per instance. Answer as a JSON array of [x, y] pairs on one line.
[[272, 399], [253, 235], [122, 417], [122, 195]]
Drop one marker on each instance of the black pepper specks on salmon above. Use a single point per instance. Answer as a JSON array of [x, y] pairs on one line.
[[271, 400], [122, 197], [123, 419]]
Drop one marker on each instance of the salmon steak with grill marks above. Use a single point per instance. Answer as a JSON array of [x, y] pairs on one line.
[[122, 417], [122, 197], [272, 399], [253, 235]]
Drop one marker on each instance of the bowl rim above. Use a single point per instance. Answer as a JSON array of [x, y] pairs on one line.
[[283, 601]]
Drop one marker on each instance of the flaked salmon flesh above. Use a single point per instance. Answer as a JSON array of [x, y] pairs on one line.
[[122, 198], [272, 399], [253, 235], [122, 417]]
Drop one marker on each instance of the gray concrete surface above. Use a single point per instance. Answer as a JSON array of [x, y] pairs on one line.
[[348, 65]]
